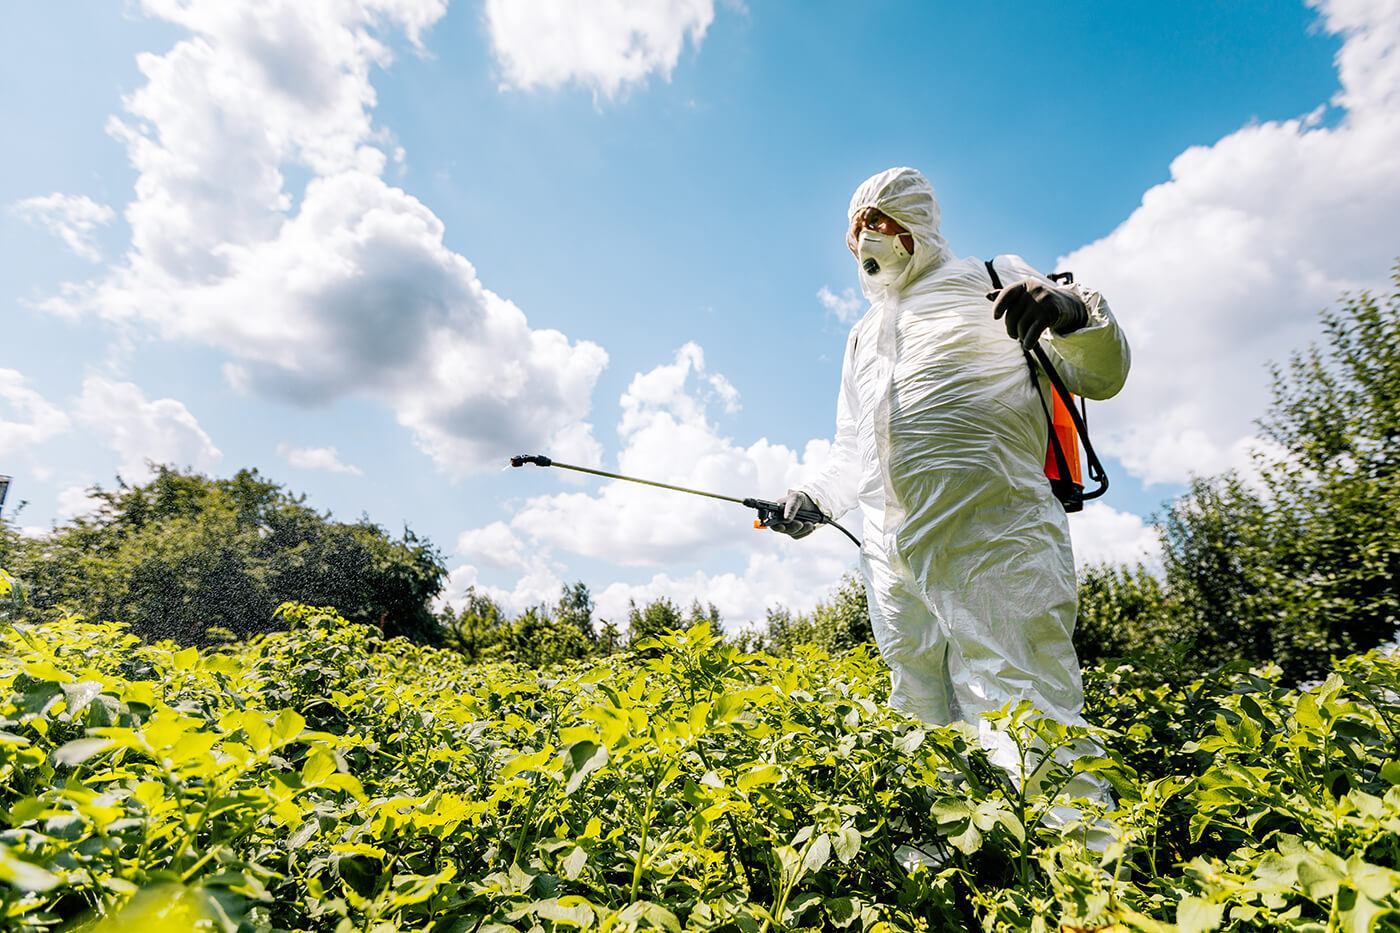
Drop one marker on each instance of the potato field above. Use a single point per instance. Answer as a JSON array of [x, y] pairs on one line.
[[328, 779]]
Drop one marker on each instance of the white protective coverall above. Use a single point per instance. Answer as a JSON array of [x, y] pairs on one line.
[[941, 441]]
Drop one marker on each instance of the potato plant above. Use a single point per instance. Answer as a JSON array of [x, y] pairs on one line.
[[328, 779]]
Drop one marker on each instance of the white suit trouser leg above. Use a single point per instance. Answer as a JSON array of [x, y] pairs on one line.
[[930, 680]]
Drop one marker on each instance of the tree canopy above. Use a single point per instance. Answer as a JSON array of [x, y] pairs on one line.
[[1299, 561], [184, 554]]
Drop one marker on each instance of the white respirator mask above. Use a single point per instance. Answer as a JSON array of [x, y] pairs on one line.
[[882, 257]]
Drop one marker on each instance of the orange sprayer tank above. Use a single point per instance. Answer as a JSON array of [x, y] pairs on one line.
[[1069, 443]]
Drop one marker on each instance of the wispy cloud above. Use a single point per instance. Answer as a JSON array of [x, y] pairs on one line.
[[72, 218], [316, 458], [601, 46], [847, 306]]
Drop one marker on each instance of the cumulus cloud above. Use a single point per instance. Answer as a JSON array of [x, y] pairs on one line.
[[602, 45], [1104, 535], [316, 458], [666, 434], [847, 306], [139, 431], [25, 417], [1224, 267], [348, 291], [72, 218], [74, 501]]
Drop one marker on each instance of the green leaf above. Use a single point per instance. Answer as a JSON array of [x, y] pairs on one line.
[[319, 765], [1197, 915], [907, 743], [580, 760], [968, 841], [573, 863], [287, 726], [612, 723], [1307, 712], [1320, 878], [846, 843], [78, 751], [798, 904], [78, 695], [757, 777], [649, 914], [817, 854], [25, 875], [841, 911]]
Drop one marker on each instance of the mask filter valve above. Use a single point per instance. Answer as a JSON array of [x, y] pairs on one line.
[[870, 266]]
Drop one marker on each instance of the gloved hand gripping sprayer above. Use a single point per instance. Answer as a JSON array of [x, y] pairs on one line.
[[768, 512]]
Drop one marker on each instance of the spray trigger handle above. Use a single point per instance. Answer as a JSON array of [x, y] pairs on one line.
[[770, 512]]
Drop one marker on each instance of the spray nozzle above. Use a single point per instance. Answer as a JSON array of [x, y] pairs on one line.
[[538, 460]]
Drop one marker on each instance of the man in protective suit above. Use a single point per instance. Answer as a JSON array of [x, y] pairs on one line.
[[941, 440]]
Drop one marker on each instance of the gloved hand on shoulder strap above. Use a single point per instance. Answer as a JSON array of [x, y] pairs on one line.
[[1030, 306]]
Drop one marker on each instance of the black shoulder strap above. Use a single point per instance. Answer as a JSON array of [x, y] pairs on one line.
[[1096, 470], [992, 271]]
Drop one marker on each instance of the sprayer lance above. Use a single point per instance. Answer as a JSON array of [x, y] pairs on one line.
[[768, 512]]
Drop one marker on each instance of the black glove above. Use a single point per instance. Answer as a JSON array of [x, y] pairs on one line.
[[789, 524], [1030, 306]]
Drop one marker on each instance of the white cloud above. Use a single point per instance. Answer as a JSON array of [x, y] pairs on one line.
[[1224, 267], [138, 430], [666, 435], [1103, 535], [25, 417], [72, 218], [74, 501], [350, 293], [599, 44], [847, 306], [538, 585], [495, 546], [316, 458]]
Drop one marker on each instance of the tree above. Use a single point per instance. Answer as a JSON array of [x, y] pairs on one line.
[[652, 621], [576, 608], [183, 553], [1336, 489], [538, 641], [1124, 612], [1303, 563], [477, 628], [707, 613], [835, 625]]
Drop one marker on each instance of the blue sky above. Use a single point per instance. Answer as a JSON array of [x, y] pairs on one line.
[[429, 236]]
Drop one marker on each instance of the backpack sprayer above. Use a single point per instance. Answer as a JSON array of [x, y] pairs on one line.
[[768, 512], [1067, 425]]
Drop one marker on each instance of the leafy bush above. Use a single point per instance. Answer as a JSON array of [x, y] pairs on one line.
[[834, 626], [1301, 563], [184, 553], [327, 778]]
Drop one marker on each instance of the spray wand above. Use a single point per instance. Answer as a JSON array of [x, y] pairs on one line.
[[768, 512]]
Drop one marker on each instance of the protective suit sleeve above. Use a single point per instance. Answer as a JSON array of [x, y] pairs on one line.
[[835, 488], [1093, 360]]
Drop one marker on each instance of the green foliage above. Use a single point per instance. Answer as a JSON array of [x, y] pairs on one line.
[[185, 553], [327, 778], [482, 631], [576, 609], [834, 626], [1122, 611], [652, 621], [1302, 564]]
